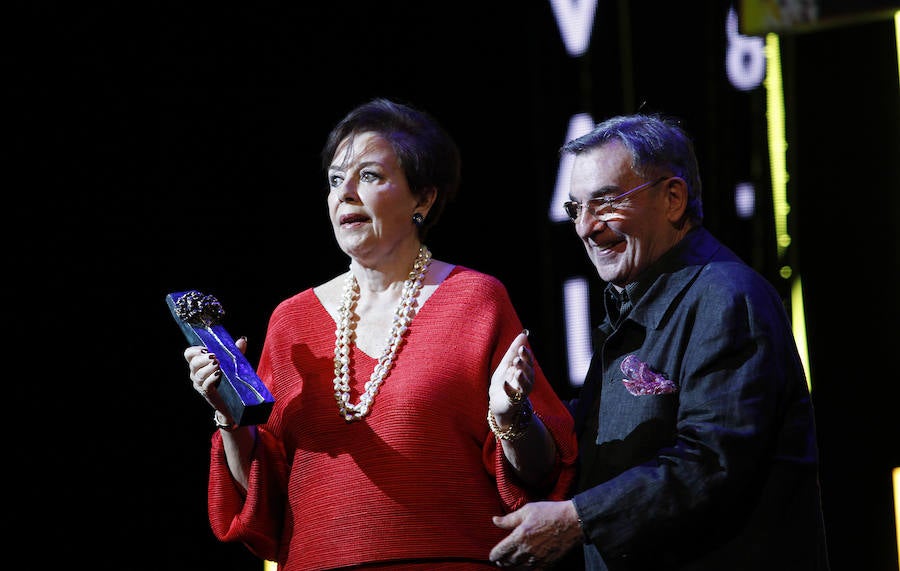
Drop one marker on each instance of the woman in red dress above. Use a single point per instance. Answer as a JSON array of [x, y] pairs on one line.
[[409, 409]]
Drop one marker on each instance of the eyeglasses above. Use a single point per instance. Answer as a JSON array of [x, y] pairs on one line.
[[603, 204]]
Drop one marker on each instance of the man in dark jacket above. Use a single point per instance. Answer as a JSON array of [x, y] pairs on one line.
[[696, 429]]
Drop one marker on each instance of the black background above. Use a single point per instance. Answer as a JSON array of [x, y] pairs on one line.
[[173, 147]]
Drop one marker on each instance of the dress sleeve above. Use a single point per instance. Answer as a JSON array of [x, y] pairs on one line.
[[550, 409], [253, 517], [558, 484]]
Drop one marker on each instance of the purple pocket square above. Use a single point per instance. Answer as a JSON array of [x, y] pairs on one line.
[[642, 380]]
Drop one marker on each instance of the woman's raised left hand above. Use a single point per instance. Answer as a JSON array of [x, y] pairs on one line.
[[513, 379]]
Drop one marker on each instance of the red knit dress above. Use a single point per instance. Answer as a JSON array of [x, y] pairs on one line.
[[415, 483]]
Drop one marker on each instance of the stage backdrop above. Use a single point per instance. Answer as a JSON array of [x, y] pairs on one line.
[[178, 149]]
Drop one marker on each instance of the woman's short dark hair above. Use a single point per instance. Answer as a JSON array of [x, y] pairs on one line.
[[429, 157]]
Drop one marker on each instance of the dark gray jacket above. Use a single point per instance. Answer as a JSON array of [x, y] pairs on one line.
[[722, 472]]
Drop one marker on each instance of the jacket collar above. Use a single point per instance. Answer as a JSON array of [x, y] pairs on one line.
[[672, 273]]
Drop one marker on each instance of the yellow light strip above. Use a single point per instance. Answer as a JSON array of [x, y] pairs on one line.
[[897, 41], [798, 320], [775, 119], [897, 508], [896, 471], [270, 566], [777, 142]]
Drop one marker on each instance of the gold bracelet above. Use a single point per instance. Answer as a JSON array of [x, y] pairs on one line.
[[519, 426], [222, 425]]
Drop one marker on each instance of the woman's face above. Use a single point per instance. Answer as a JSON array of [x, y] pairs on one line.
[[370, 202]]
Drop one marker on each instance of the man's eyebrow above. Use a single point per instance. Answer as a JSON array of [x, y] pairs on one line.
[[600, 192], [604, 190]]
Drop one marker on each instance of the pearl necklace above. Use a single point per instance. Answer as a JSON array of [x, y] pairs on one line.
[[403, 315]]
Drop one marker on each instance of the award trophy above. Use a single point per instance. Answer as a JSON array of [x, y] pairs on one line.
[[200, 316]]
